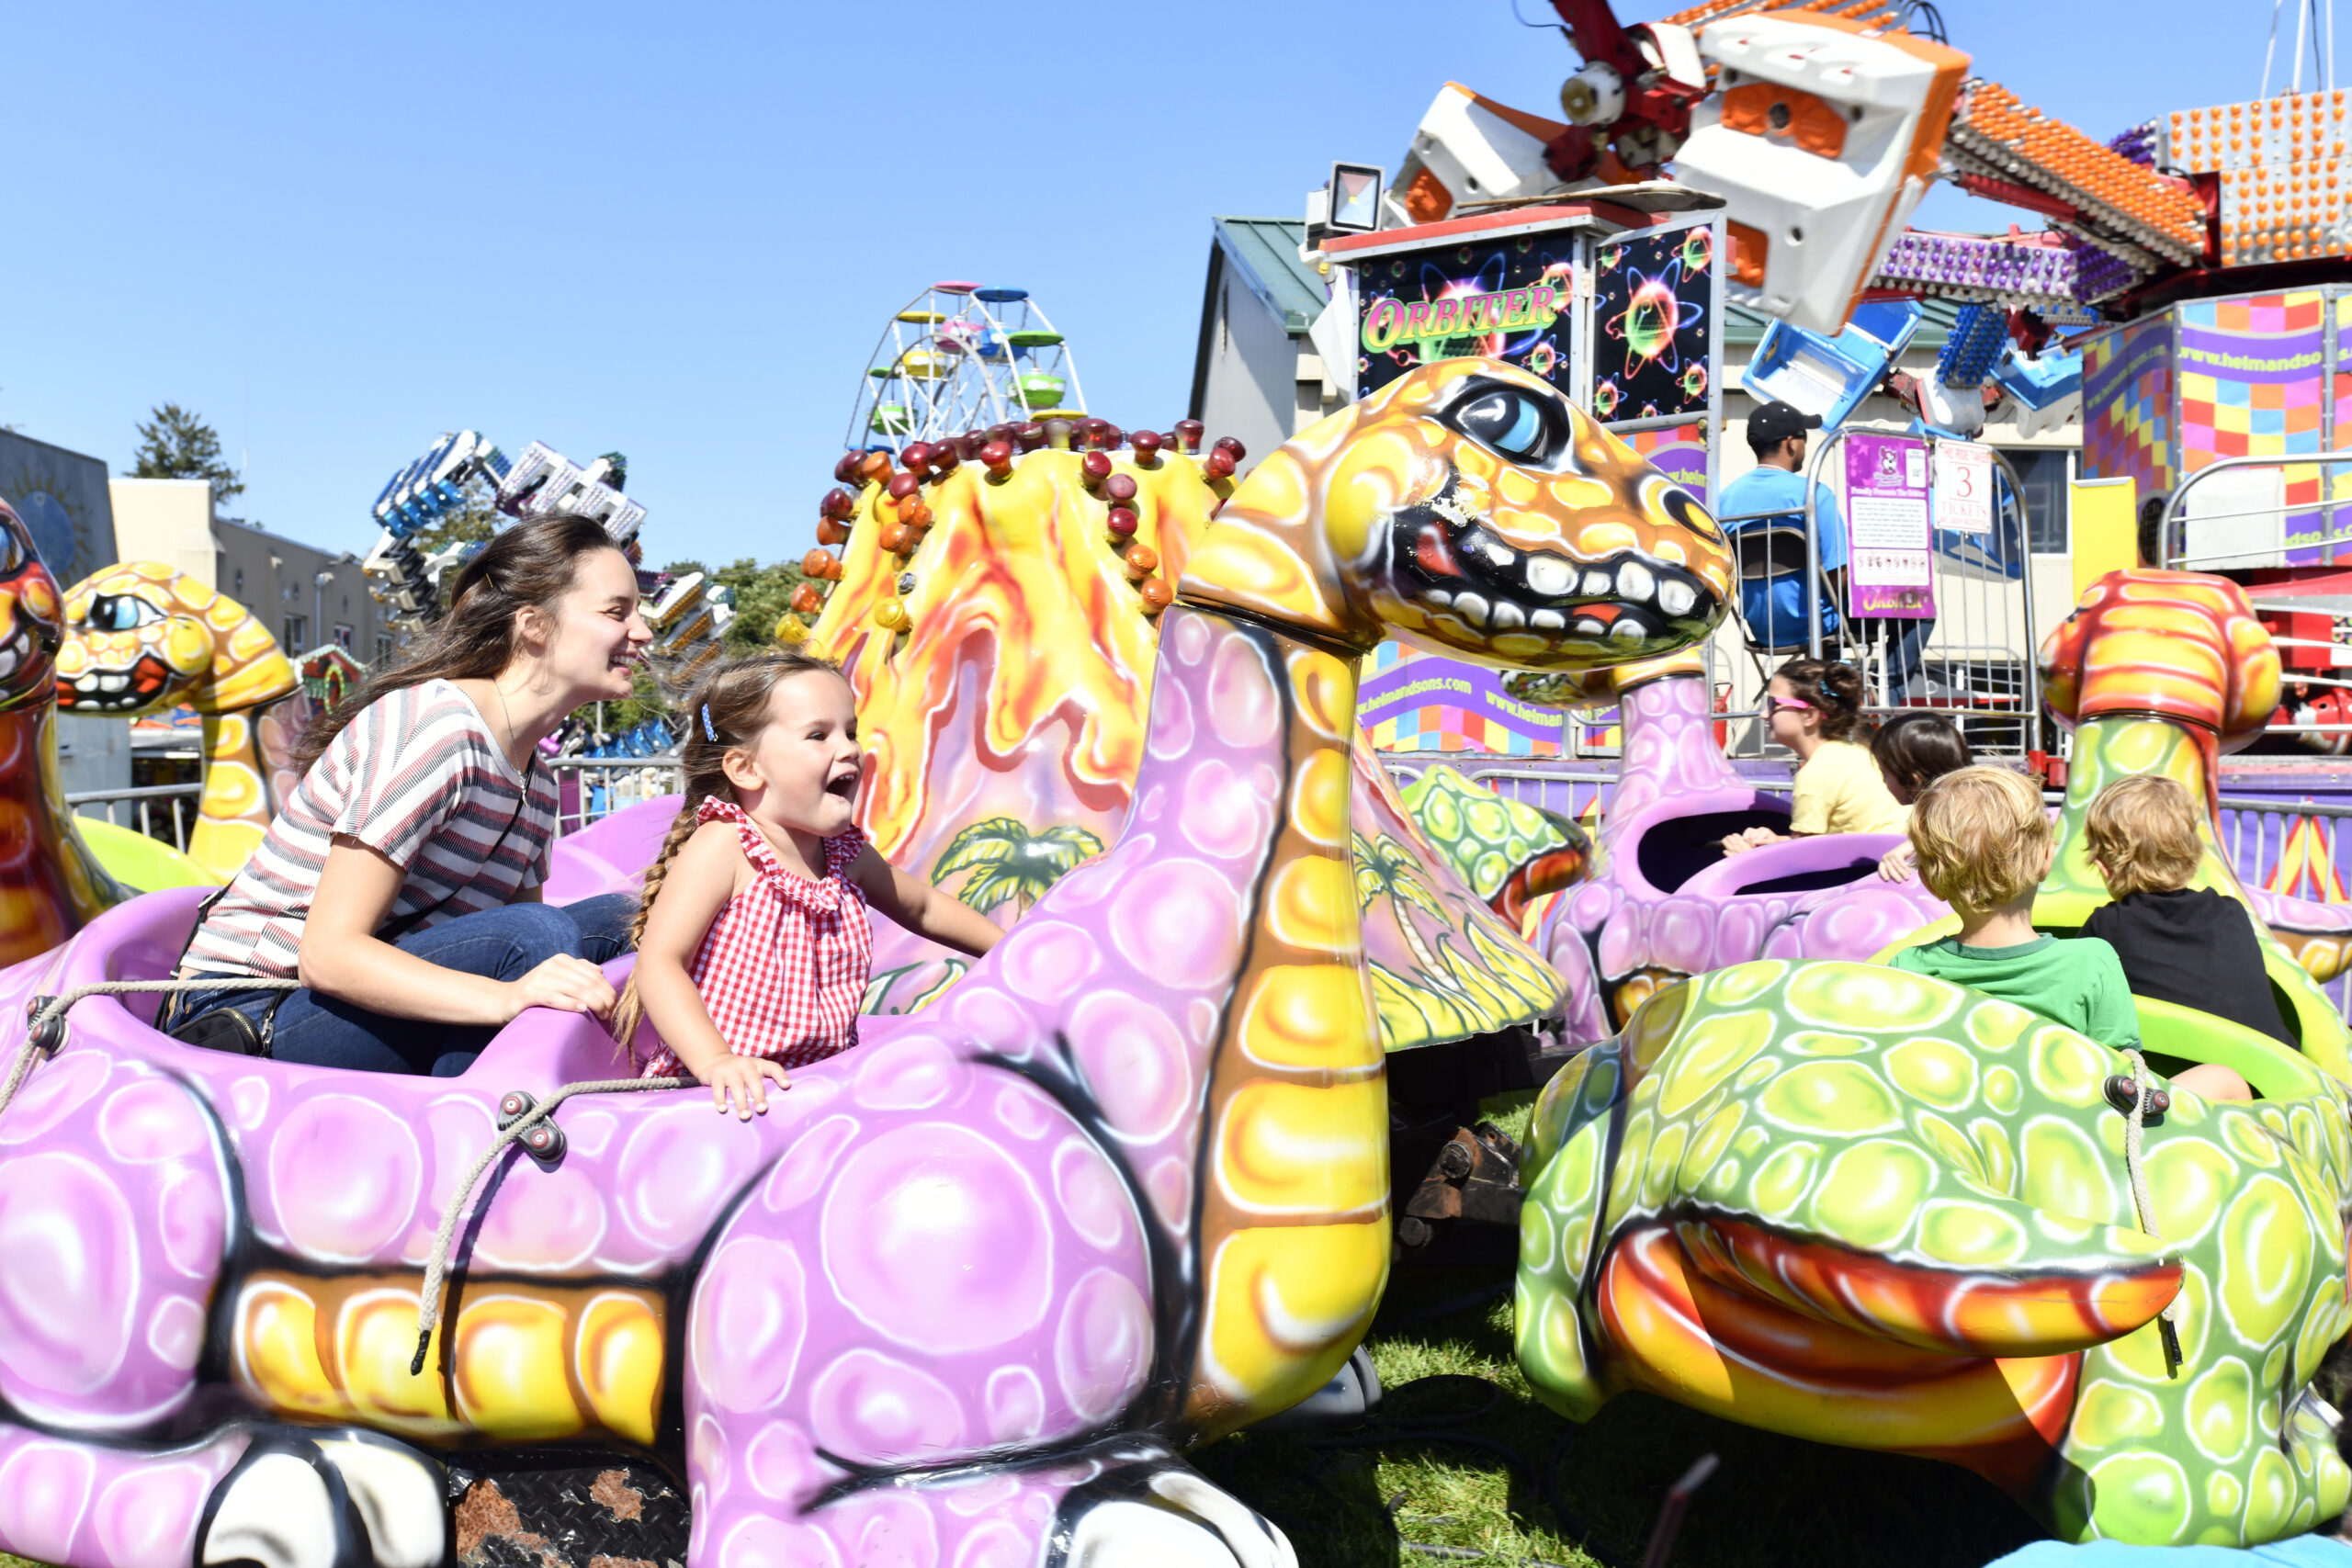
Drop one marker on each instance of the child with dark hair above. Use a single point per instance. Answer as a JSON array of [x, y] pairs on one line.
[[1815, 710], [1913, 750]]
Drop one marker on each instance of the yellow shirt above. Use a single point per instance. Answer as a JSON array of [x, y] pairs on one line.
[[1839, 791]]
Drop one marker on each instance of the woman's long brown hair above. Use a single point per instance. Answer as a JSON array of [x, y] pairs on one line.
[[532, 563], [725, 714]]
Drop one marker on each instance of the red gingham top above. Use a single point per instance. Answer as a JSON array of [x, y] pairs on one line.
[[784, 967]]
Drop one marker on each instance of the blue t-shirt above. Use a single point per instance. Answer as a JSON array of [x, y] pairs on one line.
[[1781, 493]]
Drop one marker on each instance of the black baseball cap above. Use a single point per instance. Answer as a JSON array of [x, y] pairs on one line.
[[1776, 422]]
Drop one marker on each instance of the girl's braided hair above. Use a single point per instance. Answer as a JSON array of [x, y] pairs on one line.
[[726, 713]]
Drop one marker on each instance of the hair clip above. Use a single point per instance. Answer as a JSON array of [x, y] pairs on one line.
[[710, 733]]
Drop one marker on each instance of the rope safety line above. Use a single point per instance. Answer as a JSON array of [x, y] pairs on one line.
[[436, 1267], [45, 1035], [45, 1017], [2168, 1320]]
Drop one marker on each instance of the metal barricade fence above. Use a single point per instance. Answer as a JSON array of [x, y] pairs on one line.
[[2266, 547], [1974, 663], [142, 799], [589, 789]]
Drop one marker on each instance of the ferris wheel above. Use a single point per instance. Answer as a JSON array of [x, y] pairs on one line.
[[962, 356]]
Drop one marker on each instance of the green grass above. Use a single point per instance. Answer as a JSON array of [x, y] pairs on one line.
[[1775, 1500]]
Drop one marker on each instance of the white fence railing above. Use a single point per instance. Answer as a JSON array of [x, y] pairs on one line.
[[590, 788], [141, 802]]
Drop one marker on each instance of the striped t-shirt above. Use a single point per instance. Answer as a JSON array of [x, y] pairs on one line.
[[418, 777]]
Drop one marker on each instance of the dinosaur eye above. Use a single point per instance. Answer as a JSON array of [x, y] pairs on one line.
[[1511, 422], [1680, 507], [121, 612]]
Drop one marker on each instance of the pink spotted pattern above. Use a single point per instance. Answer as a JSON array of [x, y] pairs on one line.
[[784, 967]]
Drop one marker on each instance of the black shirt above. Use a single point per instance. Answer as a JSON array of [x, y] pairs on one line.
[[2195, 948]]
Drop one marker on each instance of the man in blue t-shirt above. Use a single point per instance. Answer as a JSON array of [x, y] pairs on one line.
[[1772, 495]]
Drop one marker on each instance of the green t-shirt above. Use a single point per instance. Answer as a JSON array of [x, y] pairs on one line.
[[2078, 982]]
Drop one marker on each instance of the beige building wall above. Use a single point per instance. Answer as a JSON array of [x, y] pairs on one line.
[[165, 520], [171, 522]]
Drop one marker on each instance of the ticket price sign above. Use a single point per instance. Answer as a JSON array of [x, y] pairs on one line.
[[1963, 488], [1889, 545]]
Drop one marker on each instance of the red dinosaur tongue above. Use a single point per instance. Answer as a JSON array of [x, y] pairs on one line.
[[1951, 1311], [1725, 1350]]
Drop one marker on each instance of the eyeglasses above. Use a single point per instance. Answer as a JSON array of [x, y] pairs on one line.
[[1773, 704]]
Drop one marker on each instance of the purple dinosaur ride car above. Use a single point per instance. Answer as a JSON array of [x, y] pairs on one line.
[[965, 1295], [1666, 903]]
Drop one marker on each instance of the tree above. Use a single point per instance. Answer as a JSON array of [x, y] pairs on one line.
[[1388, 869], [762, 592], [177, 445]]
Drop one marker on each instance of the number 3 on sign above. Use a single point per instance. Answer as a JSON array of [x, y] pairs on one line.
[[1963, 487]]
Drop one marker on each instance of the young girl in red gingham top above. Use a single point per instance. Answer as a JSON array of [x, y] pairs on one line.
[[753, 941]]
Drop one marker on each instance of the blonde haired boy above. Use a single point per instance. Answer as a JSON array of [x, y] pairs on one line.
[[2182, 945], [1984, 844]]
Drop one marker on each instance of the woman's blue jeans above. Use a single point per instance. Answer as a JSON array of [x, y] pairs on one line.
[[504, 943]]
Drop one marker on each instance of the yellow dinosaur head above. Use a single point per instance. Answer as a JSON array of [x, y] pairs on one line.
[[1470, 509], [141, 639]]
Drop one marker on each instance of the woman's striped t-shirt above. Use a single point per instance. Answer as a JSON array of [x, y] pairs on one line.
[[421, 779]]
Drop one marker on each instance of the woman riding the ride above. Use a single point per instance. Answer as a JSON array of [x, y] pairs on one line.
[[401, 882]]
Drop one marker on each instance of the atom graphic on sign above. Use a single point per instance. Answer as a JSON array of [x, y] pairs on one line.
[[1604, 400], [1654, 313], [1698, 250]]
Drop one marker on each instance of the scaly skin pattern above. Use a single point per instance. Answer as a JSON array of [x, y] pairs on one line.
[[143, 638], [1510, 852], [1864, 1207], [50, 883], [1858, 1206], [961, 1297]]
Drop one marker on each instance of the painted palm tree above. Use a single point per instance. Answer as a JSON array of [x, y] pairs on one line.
[[1387, 867], [1009, 862]]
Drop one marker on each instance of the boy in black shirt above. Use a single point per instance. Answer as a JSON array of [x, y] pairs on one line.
[[2192, 946]]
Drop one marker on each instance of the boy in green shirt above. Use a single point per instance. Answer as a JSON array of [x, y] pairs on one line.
[[1984, 844]]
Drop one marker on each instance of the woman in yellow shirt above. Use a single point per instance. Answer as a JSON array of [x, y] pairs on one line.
[[1815, 710]]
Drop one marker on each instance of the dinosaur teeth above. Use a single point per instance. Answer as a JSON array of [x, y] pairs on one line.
[[1509, 616], [1548, 576], [1587, 626], [1479, 542], [1635, 581], [1676, 598], [1471, 607], [1438, 597], [1627, 630], [1598, 585], [1548, 621], [111, 680]]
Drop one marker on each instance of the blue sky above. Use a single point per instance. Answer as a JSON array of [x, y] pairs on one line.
[[678, 231]]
